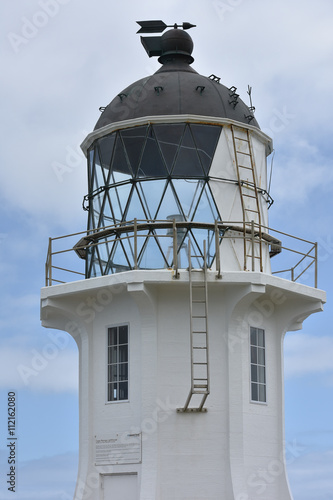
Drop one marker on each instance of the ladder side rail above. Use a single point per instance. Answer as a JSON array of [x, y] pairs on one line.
[[240, 190]]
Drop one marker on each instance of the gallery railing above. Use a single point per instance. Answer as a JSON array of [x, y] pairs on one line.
[[61, 266]]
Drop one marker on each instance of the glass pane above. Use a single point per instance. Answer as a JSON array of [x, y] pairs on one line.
[[134, 140], [112, 336], [123, 371], [123, 390], [152, 163], [123, 335], [135, 209], [253, 333], [112, 369], [169, 137], [254, 392], [118, 262], [169, 206], [119, 161], [106, 149], [261, 374], [123, 353], [206, 138], [188, 192], [254, 375], [90, 162], [187, 162], [112, 392], [151, 193], [261, 356], [261, 338], [254, 358], [119, 198], [151, 256], [108, 217], [206, 209], [262, 393], [112, 355]]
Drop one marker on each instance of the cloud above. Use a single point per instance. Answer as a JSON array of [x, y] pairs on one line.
[[52, 368], [305, 354], [310, 476]]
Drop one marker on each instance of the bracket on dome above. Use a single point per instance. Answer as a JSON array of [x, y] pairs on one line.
[[152, 44]]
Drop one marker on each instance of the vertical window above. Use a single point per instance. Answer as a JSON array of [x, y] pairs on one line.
[[258, 365], [118, 363]]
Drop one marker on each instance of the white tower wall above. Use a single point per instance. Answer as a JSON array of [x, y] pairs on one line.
[[234, 449]]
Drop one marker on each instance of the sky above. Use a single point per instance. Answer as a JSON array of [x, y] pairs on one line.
[[61, 61]]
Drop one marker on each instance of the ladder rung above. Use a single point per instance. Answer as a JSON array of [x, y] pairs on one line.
[[199, 301], [241, 153], [201, 379], [250, 210], [249, 196], [200, 386], [199, 331], [199, 316], [197, 347], [247, 168], [201, 364], [253, 256], [241, 139]]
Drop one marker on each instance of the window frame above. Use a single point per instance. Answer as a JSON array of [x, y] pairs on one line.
[[107, 364], [257, 382]]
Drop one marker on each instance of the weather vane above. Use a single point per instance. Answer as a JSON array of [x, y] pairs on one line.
[[152, 44], [159, 26]]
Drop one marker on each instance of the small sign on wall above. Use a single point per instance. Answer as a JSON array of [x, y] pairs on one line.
[[118, 449]]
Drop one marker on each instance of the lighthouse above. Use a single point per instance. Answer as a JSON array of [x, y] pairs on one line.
[[179, 315]]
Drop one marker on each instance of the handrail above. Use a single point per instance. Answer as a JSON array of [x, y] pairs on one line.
[[132, 230]]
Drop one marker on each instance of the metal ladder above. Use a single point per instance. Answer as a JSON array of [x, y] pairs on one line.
[[198, 337], [249, 195]]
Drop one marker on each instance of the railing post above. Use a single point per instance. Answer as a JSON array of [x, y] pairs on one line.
[[217, 251], [316, 265], [175, 256], [135, 244], [49, 261], [252, 243]]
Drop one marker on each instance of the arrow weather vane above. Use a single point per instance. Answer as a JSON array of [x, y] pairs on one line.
[[159, 26]]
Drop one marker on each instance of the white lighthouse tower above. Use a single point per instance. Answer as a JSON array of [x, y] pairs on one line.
[[179, 320]]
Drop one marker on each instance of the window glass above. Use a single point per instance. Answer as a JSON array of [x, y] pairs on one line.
[[206, 138], [187, 163], [151, 193], [134, 140], [258, 366], [188, 192], [106, 149], [169, 205], [169, 137], [152, 163], [117, 370], [119, 161]]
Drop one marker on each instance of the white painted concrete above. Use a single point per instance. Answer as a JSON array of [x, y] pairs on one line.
[[236, 449]]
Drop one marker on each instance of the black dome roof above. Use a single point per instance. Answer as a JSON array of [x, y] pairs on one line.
[[176, 89]]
